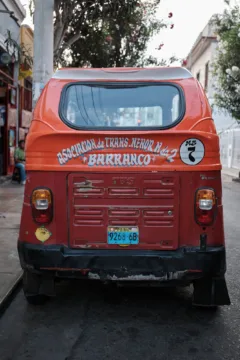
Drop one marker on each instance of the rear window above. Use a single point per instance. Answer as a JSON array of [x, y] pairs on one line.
[[121, 105]]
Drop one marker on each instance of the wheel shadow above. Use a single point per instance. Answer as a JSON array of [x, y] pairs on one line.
[[162, 303]]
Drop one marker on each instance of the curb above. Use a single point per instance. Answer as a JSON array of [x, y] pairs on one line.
[[5, 299], [235, 175], [236, 179]]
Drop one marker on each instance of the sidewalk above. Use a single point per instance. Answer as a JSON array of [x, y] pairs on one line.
[[11, 197], [4, 179], [233, 173]]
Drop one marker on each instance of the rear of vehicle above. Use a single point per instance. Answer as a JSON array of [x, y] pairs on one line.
[[124, 183]]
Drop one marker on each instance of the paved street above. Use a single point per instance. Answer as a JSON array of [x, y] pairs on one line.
[[11, 197], [157, 324]]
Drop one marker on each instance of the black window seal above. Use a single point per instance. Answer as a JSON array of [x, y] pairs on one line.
[[120, 129]]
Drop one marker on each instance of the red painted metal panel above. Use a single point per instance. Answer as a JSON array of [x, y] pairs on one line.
[[98, 200], [177, 230]]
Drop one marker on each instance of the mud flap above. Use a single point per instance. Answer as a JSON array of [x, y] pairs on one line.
[[34, 284], [211, 292]]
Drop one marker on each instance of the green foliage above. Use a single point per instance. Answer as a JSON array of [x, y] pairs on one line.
[[24, 56], [227, 62], [117, 37], [104, 33]]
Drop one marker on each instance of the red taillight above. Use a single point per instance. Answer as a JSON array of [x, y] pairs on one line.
[[42, 209], [205, 207]]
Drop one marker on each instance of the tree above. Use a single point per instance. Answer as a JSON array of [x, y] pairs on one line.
[[104, 32], [119, 37], [226, 67], [66, 13]]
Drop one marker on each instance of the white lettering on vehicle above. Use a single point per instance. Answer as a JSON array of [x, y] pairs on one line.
[[118, 160], [83, 150]]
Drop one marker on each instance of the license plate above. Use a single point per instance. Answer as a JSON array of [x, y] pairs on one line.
[[123, 236]]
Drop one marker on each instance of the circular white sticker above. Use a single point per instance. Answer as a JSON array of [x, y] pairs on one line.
[[192, 151]]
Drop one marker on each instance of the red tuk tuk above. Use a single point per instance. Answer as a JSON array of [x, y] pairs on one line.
[[123, 184]]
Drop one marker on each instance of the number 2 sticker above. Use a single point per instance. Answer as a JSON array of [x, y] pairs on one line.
[[192, 151]]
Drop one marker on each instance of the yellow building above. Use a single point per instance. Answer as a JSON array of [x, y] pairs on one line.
[[25, 72], [25, 80]]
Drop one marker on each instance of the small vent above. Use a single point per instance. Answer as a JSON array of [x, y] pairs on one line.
[[123, 192]]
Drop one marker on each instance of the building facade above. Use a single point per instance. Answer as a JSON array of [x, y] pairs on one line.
[[199, 62], [12, 14], [25, 80]]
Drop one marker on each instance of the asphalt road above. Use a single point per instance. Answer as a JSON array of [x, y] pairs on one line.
[[157, 324]]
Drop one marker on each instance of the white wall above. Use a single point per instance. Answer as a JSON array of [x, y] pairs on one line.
[[7, 23], [221, 118], [230, 149], [199, 65]]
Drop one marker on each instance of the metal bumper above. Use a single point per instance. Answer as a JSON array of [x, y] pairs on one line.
[[186, 264]]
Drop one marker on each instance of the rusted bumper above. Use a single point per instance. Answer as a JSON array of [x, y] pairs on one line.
[[184, 264]]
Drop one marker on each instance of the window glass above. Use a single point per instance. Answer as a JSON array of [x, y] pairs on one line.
[[121, 105]]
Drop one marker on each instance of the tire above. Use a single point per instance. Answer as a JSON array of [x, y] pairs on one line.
[[37, 299]]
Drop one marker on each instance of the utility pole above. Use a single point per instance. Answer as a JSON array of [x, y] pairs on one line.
[[43, 46]]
